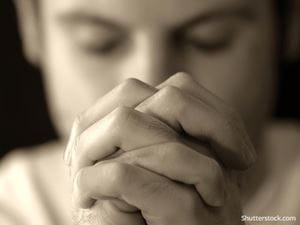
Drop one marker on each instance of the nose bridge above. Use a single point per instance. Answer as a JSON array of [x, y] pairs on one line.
[[151, 58]]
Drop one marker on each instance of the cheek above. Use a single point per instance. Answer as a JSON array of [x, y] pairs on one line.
[[73, 82], [245, 77]]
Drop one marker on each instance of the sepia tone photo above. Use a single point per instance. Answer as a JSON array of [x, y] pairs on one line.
[[150, 112]]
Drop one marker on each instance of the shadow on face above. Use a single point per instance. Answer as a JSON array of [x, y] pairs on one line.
[[88, 47]]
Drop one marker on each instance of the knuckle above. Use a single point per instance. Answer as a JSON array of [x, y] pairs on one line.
[[173, 150], [122, 111], [156, 188], [146, 106], [117, 173], [175, 97], [181, 79], [231, 125], [224, 121], [80, 183], [170, 93], [79, 179], [79, 121], [78, 143], [165, 153], [79, 148], [163, 130], [129, 84], [170, 90], [121, 114], [82, 194]]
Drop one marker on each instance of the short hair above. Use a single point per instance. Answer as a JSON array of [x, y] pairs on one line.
[[281, 6]]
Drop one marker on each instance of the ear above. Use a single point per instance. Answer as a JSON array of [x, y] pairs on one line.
[[27, 13], [292, 37]]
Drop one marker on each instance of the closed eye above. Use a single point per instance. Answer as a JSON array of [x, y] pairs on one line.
[[212, 36], [91, 33], [97, 39]]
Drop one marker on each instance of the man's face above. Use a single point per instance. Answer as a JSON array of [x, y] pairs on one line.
[[90, 46]]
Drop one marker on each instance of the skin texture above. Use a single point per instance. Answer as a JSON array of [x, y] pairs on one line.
[[160, 148], [155, 156], [232, 56]]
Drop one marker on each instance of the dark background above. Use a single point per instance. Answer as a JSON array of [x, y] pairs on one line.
[[24, 119]]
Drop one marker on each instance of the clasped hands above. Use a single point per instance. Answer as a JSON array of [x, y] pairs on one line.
[[157, 156]]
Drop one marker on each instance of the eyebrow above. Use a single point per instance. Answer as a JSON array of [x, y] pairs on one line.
[[82, 17], [240, 12]]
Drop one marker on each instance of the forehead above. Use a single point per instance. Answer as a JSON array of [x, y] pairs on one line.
[[166, 12]]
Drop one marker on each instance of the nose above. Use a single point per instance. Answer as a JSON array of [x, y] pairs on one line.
[[151, 59]]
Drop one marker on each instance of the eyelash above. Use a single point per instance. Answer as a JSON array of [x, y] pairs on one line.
[[103, 49], [208, 47], [109, 47]]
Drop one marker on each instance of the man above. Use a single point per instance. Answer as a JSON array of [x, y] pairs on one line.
[[152, 147]]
